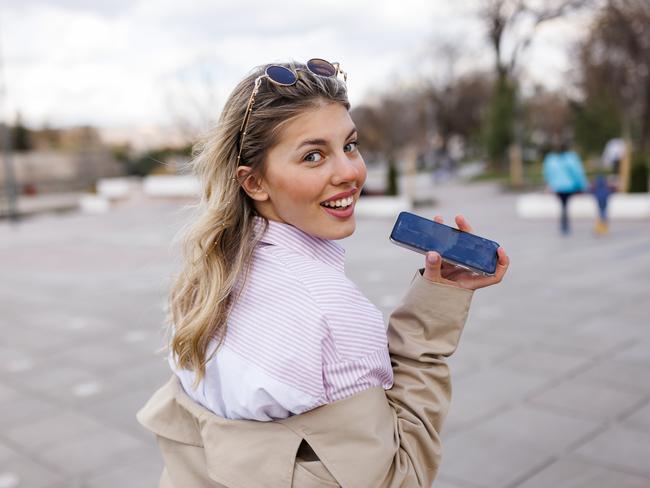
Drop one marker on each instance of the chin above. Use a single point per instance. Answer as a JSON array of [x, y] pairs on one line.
[[340, 230]]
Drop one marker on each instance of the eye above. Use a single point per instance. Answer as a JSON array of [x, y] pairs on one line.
[[354, 144], [313, 157]]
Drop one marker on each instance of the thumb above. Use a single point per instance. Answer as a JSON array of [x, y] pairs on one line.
[[432, 266]]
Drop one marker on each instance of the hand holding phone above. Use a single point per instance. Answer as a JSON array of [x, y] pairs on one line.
[[468, 260]]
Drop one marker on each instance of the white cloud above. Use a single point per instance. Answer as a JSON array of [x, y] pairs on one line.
[[117, 63]]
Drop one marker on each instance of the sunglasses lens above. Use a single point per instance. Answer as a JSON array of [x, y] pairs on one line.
[[321, 67], [281, 75]]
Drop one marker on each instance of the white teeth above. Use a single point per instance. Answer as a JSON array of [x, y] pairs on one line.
[[345, 202]]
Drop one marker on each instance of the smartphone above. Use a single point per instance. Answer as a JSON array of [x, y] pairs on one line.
[[455, 246]]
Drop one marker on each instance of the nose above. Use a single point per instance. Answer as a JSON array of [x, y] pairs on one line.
[[345, 169]]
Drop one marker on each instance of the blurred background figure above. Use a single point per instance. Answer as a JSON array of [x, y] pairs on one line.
[[564, 174], [602, 189], [613, 154]]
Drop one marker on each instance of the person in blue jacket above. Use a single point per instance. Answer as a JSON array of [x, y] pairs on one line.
[[564, 174]]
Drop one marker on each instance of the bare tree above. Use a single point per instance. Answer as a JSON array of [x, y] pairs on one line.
[[517, 21], [615, 64], [511, 26], [459, 106], [192, 102], [388, 127], [547, 115]]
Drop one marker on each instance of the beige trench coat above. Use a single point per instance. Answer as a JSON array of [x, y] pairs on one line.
[[375, 439]]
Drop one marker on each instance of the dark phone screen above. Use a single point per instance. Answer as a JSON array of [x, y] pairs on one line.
[[461, 247]]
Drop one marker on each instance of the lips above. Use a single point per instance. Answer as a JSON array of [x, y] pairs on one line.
[[340, 196], [340, 212]]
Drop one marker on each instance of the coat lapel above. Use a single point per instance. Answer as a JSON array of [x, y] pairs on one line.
[[239, 454], [356, 428]]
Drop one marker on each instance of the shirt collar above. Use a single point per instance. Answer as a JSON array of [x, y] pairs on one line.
[[290, 237]]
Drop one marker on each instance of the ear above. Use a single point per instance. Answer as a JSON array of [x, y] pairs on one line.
[[251, 183]]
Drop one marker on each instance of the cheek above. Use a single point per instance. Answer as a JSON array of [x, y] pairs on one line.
[[299, 186], [362, 172]]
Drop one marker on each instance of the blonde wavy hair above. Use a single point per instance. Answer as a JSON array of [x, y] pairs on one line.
[[218, 245]]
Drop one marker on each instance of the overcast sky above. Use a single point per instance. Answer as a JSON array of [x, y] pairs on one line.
[[123, 63]]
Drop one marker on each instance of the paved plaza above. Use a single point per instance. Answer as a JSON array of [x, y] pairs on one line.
[[551, 379]]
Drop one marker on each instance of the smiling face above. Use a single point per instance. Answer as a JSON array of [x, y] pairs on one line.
[[313, 176]]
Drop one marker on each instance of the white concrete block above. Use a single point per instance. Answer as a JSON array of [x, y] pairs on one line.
[[382, 206], [118, 188], [632, 205], [94, 204], [171, 186], [420, 186], [547, 205]]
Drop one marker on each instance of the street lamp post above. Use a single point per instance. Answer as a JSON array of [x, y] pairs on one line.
[[9, 173], [10, 178]]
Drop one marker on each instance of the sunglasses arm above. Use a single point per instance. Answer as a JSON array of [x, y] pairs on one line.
[[249, 108], [339, 70]]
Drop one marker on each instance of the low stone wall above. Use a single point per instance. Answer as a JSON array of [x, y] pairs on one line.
[[621, 206]]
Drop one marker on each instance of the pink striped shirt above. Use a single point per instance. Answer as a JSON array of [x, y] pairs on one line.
[[300, 334]]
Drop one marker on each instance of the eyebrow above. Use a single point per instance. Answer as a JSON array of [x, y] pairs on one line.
[[321, 142]]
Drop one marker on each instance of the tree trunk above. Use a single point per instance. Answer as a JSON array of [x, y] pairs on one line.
[[644, 140]]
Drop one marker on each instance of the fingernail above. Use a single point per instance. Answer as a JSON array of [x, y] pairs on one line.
[[432, 258]]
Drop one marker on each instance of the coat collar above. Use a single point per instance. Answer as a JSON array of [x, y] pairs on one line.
[[290, 237], [236, 451]]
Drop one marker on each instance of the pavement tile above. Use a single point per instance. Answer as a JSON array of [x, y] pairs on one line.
[[92, 453], [35, 341], [591, 401], [6, 452], [620, 447], [51, 429], [102, 357], [72, 385], [7, 393], [574, 473], [639, 419], [634, 377], [549, 431], [23, 408], [120, 411], [142, 472], [637, 353], [545, 361], [148, 375], [485, 392], [476, 353], [595, 342], [489, 461], [13, 359], [442, 482], [22, 472]]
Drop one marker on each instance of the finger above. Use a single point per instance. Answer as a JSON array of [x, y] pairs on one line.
[[463, 224], [502, 263], [439, 219], [502, 267], [432, 266]]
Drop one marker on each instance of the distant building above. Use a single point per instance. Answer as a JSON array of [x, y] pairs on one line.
[[62, 160]]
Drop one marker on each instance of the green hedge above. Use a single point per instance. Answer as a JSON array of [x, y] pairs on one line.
[[639, 174]]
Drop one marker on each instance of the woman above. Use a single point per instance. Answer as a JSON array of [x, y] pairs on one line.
[[284, 376]]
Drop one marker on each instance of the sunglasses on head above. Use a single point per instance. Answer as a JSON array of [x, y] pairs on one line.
[[283, 76]]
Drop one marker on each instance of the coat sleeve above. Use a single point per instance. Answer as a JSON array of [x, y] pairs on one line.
[[423, 330]]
